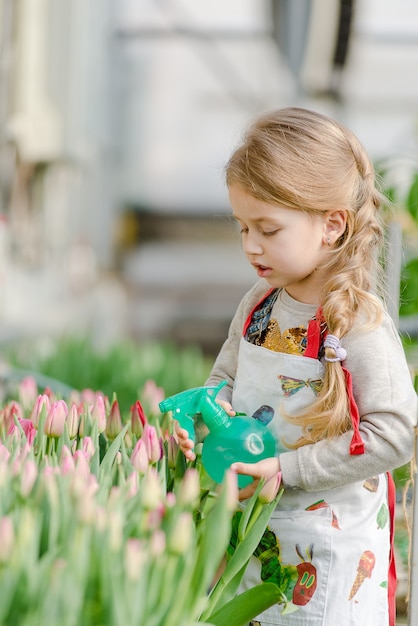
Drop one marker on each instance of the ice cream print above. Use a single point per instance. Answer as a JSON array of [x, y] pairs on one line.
[[364, 570]]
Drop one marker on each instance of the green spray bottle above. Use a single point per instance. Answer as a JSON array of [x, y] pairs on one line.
[[230, 439]]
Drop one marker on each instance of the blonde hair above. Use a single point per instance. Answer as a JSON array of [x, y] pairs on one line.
[[303, 160]]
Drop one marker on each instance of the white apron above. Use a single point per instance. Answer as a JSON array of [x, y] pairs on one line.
[[329, 550]]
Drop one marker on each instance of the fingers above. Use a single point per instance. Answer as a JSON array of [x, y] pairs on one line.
[[186, 445]]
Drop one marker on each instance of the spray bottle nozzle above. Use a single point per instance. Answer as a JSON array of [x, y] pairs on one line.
[[187, 404]]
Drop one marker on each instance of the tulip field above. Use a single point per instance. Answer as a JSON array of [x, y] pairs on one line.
[[103, 523]]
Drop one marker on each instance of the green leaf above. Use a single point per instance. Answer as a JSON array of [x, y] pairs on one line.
[[247, 605], [109, 457], [412, 199]]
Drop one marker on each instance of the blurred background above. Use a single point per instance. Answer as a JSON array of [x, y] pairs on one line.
[[117, 117]]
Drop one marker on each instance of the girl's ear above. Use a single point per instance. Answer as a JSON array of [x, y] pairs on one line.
[[335, 223]]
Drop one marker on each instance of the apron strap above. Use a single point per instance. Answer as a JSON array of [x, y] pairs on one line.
[[317, 332], [392, 564]]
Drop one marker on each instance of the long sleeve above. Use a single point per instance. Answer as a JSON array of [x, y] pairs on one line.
[[387, 403]]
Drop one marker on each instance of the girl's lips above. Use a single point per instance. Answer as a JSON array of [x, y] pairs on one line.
[[263, 271]]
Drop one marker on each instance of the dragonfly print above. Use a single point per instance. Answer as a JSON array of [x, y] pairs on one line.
[[290, 385]]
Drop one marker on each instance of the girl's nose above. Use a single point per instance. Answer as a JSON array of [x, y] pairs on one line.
[[252, 244]]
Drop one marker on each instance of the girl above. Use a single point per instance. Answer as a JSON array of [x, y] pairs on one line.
[[312, 350]]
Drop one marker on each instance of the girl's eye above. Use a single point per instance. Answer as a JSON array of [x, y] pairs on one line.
[[270, 233]]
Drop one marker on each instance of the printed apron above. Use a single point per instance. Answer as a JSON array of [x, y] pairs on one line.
[[328, 551]]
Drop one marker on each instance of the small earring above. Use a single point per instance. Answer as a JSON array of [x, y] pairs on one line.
[[329, 241]]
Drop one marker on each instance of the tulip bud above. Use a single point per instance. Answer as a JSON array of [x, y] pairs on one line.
[[98, 413], [42, 403], [270, 488], [157, 543], [151, 490], [28, 477], [189, 489], [72, 420], [172, 452], [55, 420], [181, 535], [114, 421], [139, 457], [153, 395], [135, 558], [138, 419], [7, 535], [66, 460], [28, 392], [88, 448], [153, 444]]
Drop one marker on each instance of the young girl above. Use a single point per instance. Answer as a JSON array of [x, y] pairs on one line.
[[312, 350]]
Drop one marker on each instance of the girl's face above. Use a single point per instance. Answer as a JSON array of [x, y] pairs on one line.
[[286, 247]]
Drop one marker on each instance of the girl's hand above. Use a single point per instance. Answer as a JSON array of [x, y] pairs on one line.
[[267, 468], [186, 445]]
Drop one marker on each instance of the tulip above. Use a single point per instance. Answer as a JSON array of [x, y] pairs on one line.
[[135, 558], [138, 419], [72, 420], [189, 489], [28, 477], [114, 421], [153, 395], [42, 403], [28, 392], [153, 444], [7, 535], [181, 535], [151, 490], [157, 543], [88, 448], [270, 488], [28, 429], [172, 452], [139, 457], [98, 413], [132, 484], [67, 463], [55, 420], [231, 486]]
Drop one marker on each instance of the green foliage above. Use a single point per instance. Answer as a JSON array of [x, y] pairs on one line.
[[122, 368]]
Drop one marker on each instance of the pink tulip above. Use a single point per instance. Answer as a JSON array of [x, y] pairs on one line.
[[135, 558], [114, 421], [182, 533], [153, 444], [67, 463], [88, 448], [7, 535], [139, 457], [98, 413], [270, 488], [72, 420], [153, 395], [55, 420], [29, 430], [42, 402], [28, 392], [28, 477], [172, 452], [189, 490], [138, 419]]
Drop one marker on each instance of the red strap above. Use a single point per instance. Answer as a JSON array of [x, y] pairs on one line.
[[313, 338], [312, 350], [357, 443], [392, 564]]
